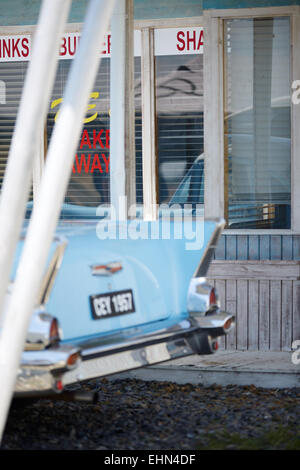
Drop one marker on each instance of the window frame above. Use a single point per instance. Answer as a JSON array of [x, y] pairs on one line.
[[212, 22], [39, 160], [149, 153], [214, 112], [150, 156]]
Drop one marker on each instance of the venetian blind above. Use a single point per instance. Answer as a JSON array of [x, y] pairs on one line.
[[257, 120], [179, 107], [89, 184], [12, 75]]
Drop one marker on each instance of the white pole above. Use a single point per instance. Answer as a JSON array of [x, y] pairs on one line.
[[122, 136], [150, 177], [38, 161], [117, 107], [46, 211], [31, 115]]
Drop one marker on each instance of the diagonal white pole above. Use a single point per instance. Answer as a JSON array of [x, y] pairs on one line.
[[32, 112], [54, 182]]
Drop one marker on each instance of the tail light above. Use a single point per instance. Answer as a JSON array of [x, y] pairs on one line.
[[228, 324], [58, 386], [202, 297], [73, 359], [43, 331], [54, 331], [212, 297]]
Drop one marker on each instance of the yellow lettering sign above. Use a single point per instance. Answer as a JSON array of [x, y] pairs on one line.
[[94, 95]]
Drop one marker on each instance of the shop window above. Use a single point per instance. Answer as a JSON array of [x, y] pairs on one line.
[[179, 118], [257, 123], [179, 113], [89, 182], [12, 75], [89, 185], [138, 130]]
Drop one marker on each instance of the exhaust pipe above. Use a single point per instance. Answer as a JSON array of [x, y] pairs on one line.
[[210, 327], [203, 343], [216, 324], [87, 397]]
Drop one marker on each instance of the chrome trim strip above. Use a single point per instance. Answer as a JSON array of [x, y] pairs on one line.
[[39, 369], [38, 333], [105, 356], [217, 320], [54, 358], [99, 366], [198, 296], [31, 382], [207, 256], [53, 267], [145, 341], [107, 269]]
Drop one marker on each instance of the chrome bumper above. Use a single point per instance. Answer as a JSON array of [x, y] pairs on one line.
[[47, 371]]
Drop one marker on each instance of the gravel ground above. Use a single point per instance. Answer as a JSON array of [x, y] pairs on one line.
[[134, 415]]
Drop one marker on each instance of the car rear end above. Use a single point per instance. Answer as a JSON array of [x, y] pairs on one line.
[[107, 306]]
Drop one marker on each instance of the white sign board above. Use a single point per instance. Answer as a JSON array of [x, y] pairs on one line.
[[174, 41], [168, 41], [15, 48]]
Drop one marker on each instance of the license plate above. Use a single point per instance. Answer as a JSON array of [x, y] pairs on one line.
[[112, 304]]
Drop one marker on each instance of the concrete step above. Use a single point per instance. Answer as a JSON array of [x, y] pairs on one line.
[[259, 368]]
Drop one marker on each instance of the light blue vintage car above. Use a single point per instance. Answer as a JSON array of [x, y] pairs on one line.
[[114, 303]]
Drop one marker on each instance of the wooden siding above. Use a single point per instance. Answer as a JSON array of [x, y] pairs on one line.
[[225, 4], [265, 298], [25, 12], [258, 247], [158, 9]]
